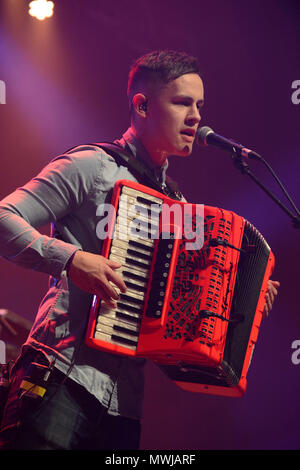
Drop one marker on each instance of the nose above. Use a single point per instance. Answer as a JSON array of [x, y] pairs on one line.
[[193, 116]]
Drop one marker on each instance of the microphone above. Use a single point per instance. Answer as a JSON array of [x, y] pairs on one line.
[[208, 137]]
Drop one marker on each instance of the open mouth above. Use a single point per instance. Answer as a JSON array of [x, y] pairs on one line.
[[188, 132], [188, 135]]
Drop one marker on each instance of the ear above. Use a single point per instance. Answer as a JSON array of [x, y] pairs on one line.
[[139, 102]]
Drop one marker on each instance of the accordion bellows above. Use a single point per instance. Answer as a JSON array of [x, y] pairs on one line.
[[196, 281]]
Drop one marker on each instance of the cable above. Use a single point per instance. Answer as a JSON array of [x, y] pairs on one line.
[[280, 184]]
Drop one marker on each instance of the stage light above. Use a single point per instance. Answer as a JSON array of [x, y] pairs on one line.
[[41, 9]]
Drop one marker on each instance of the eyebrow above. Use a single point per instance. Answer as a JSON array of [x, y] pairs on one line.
[[189, 98]]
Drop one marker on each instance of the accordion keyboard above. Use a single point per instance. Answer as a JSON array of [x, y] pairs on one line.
[[136, 226]]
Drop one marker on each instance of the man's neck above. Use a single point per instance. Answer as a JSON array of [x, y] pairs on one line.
[[137, 148], [158, 158]]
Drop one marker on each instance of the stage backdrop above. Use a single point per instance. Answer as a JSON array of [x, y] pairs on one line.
[[63, 83]]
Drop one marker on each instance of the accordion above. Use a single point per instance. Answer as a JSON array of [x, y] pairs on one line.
[[196, 280]]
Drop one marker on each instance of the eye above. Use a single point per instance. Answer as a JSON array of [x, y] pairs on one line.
[[182, 102]]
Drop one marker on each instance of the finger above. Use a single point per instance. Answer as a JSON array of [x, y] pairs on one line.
[[113, 264], [274, 291], [270, 296], [266, 311], [105, 297], [101, 284], [109, 290], [270, 304], [267, 300], [274, 284], [116, 279], [109, 303]]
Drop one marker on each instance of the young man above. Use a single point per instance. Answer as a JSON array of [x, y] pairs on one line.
[[93, 399]]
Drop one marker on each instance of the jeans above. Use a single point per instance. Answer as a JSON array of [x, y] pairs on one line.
[[67, 417]]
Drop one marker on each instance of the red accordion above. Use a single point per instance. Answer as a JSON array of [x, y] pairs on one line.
[[196, 280]]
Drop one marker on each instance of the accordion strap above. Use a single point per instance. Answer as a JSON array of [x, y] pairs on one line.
[[140, 170]]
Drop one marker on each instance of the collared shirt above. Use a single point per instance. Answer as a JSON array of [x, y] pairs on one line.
[[136, 147], [67, 193]]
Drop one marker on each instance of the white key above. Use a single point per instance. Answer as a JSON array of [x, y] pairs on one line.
[[126, 245], [141, 271], [108, 339], [103, 320], [121, 334]]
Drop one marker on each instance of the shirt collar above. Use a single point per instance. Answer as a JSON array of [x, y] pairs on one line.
[[138, 150]]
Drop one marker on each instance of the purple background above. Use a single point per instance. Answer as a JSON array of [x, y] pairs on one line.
[[66, 84]]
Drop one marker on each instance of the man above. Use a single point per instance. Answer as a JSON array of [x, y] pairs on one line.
[[93, 400]]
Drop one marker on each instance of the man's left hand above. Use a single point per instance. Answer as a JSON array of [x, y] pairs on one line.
[[270, 296]]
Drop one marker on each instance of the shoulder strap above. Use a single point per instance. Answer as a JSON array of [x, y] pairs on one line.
[[140, 170]]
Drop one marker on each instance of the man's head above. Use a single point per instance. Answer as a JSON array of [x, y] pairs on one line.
[[165, 93]]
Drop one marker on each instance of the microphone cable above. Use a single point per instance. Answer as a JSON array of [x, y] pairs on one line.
[[268, 166]]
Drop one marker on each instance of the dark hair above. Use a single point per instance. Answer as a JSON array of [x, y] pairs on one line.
[[155, 69]]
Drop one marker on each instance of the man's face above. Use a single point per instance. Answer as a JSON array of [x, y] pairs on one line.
[[172, 117]]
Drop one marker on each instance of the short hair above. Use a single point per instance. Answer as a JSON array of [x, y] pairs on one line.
[[156, 69]]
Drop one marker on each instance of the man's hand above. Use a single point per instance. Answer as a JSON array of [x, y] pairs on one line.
[[270, 296], [94, 274]]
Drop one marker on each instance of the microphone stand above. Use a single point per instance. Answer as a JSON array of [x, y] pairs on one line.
[[241, 165]]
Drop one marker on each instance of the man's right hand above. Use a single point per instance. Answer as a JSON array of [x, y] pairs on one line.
[[94, 274]]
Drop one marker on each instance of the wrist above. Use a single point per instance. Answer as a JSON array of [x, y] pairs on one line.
[[69, 262]]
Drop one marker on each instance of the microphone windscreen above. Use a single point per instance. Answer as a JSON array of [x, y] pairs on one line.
[[203, 132]]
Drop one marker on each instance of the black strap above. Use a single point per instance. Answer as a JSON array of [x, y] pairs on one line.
[[139, 170]]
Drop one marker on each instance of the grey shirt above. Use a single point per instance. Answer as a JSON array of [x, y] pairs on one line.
[[67, 193]]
